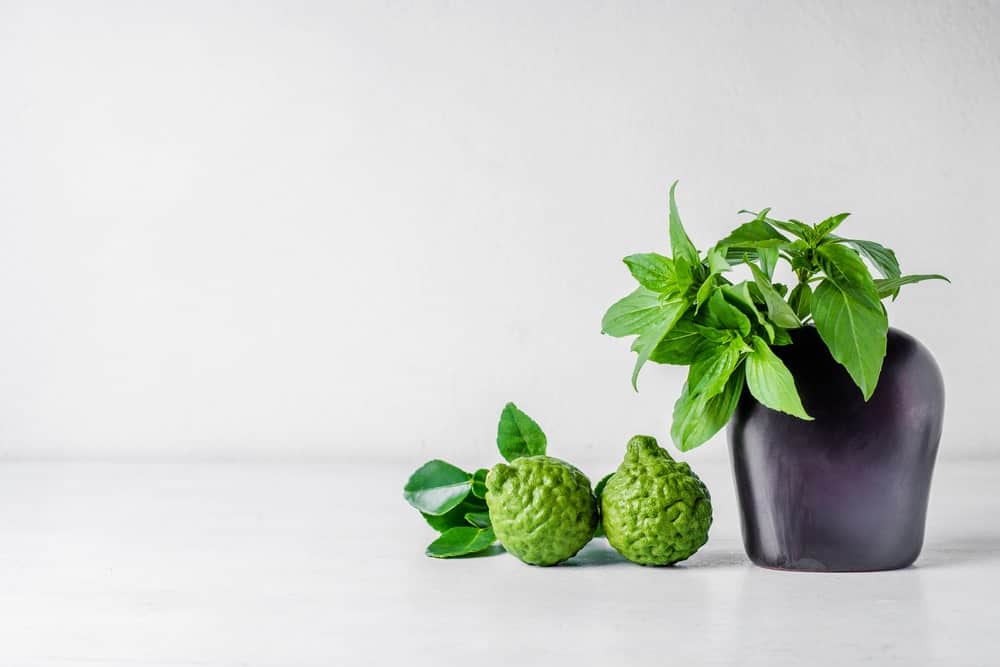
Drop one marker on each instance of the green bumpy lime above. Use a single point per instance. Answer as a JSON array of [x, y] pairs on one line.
[[542, 508], [655, 511]]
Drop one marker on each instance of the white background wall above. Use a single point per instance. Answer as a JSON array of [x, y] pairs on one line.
[[321, 230]]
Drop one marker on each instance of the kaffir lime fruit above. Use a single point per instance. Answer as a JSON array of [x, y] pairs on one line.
[[542, 508], [655, 511]]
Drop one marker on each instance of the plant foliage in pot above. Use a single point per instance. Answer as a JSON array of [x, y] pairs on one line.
[[834, 417]]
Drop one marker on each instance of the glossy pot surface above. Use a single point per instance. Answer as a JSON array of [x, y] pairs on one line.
[[848, 491]]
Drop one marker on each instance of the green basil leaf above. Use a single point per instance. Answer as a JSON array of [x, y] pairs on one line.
[[737, 255], [739, 295], [479, 519], [844, 267], [800, 229], [754, 234], [673, 309], [779, 311], [830, 224], [769, 329], [889, 286], [518, 435], [717, 336], [479, 482], [455, 517], [853, 324], [717, 261], [631, 315], [761, 215], [461, 542], [436, 487], [709, 373], [704, 292], [882, 258], [720, 314], [768, 260], [654, 272], [801, 300], [696, 419], [680, 346], [684, 275], [770, 381], [680, 244], [781, 337], [717, 264]]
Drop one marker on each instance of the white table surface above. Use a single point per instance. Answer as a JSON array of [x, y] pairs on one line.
[[283, 565]]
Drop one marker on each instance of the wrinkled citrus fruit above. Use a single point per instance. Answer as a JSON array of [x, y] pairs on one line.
[[655, 510], [542, 508]]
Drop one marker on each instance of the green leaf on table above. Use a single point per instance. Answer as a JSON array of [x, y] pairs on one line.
[[770, 381], [479, 519], [479, 482], [436, 487], [801, 300], [680, 244], [779, 311], [518, 435], [673, 309], [456, 516], [697, 419], [889, 286], [653, 271], [461, 541], [680, 346], [830, 224]]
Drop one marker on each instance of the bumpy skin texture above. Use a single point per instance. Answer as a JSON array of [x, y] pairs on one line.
[[542, 509], [655, 510]]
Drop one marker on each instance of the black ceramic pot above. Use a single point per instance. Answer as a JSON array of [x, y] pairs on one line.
[[848, 491]]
